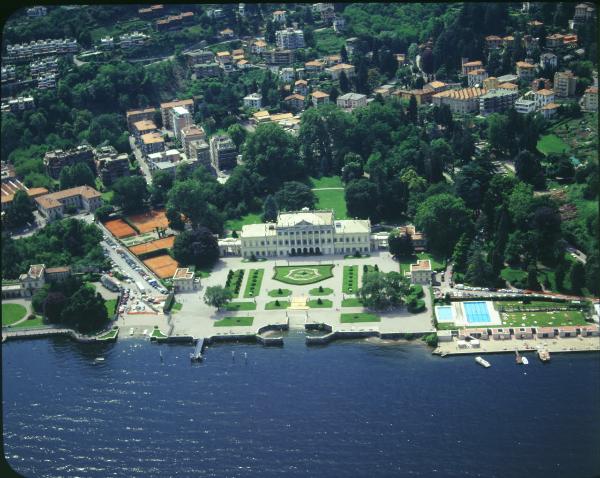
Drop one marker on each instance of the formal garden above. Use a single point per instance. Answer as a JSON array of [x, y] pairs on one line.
[[234, 322], [302, 275]]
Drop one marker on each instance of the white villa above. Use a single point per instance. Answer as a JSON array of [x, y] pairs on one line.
[[306, 232]]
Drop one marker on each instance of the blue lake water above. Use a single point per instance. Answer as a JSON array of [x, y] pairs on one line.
[[360, 409]]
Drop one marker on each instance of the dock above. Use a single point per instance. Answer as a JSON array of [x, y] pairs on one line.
[[196, 356]]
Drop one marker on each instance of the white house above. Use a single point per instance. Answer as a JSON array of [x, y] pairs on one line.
[[253, 100]]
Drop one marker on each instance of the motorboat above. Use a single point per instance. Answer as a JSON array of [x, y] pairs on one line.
[[482, 362], [524, 361], [544, 355], [99, 359]]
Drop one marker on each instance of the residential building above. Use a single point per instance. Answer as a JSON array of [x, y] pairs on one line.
[[508, 41], [286, 74], [314, 67], [548, 61], [226, 34], [173, 22], [110, 165], [258, 46], [525, 71], [554, 41], [584, 12], [589, 101], [305, 232], [46, 81], [421, 272], [564, 83], [279, 16], [20, 103], [190, 134], [422, 97], [224, 57], [339, 24], [543, 97], [351, 101], [465, 100], [82, 197], [199, 151], [418, 238], [152, 143], [508, 86], [384, 90], [549, 110], [223, 153], [253, 100], [336, 70], [43, 66], [493, 42], [131, 40], [152, 11], [9, 73], [199, 56], [33, 280], [207, 70], [468, 66], [524, 106], [541, 84], [490, 83], [289, 39], [295, 102], [10, 186], [325, 10], [319, 98], [351, 44], [496, 101], [41, 48], [133, 116], [510, 78], [279, 57], [165, 111], [476, 77], [183, 280], [164, 167], [301, 87], [180, 118], [143, 127], [37, 11], [436, 86], [55, 161]]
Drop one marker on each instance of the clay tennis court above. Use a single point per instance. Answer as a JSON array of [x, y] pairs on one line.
[[165, 243], [163, 266], [148, 221], [120, 228]]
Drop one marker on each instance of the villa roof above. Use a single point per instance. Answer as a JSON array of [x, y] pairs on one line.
[[58, 270], [473, 63], [508, 86], [294, 218], [421, 265], [551, 106], [183, 273], [153, 137], [545, 92], [144, 125], [319, 94], [524, 64]]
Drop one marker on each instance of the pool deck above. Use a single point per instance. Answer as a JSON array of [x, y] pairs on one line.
[[555, 345]]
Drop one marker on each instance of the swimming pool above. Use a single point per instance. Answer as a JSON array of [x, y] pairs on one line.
[[476, 312], [444, 313]]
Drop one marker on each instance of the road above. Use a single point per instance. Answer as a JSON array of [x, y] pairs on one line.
[[140, 160], [577, 254]]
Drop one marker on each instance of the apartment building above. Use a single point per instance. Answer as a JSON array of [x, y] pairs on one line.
[[131, 40], [468, 66], [496, 101], [37, 11], [465, 100], [9, 73], [152, 143], [589, 101], [166, 108], [548, 61], [253, 100], [319, 98], [41, 48], [47, 81], [564, 83], [43, 66], [207, 70], [133, 116], [143, 127], [279, 57], [173, 22], [52, 205], [543, 97], [110, 165], [493, 42], [223, 153], [279, 16], [306, 232], [55, 161], [289, 39], [295, 102], [199, 151], [199, 56], [180, 118], [423, 96], [525, 106], [20, 103], [476, 77], [152, 11], [190, 134], [336, 70]]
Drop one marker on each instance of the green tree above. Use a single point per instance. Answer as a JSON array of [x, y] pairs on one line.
[[270, 209], [577, 277], [20, 211], [443, 218], [529, 169], [217, 296], [175, 221], [479, 271], [460, 254], [344, 83], [383, 290], [237, 135], [198, 247], [162, 182], [293, 196], [400, 245], [85, 311], [361, 199], [131, 193], [532, 277], [103, 212], [592, 273], [411, 112]]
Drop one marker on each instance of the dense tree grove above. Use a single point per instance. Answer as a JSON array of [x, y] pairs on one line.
[[198, 247]]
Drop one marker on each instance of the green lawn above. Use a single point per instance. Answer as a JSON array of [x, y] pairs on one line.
[[37, 322], [235, 306], [109, 335], [236, 224], [280, 292], [107, 196], [320, 291], [332, 199], [437, 263], [511, 304], [350, 280], [359, 317], [509, 274], [234, 283], [328, 42], [302, 275], [543, 319], [277, 304], [12, 313], [551, 143], [255, 277], [327, 182], [352, 302], [111, 307], [325, 304], [234, 322]]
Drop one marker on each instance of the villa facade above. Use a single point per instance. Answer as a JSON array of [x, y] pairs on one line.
[[306, 233]]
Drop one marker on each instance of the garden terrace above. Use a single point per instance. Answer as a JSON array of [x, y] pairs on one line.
[[255, 277], [302, 275], [234, 281], [234, 322], [350, 280], [360, 317]]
